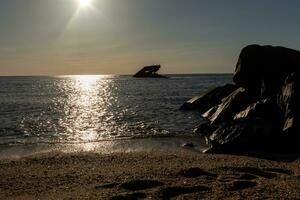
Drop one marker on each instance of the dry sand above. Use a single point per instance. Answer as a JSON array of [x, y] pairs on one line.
[[148, 175]]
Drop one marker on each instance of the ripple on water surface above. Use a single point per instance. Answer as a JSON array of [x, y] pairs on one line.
[[82, 109]]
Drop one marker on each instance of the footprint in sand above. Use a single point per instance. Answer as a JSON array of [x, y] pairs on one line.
[[239, 178], [169, 192], [255, 171], [236, 176], [195, 172], [240, 185], [134, 185], [233, 178], [133, 196], [106, 186], [247, 176], [279, 171], [246, 170], [140, 185]]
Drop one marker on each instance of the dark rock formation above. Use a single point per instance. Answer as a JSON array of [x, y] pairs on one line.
[[209, 99], [264, 108], [288, 101], [230, 105], [149, 72], [241, 134], [263, 69], [262, 111]]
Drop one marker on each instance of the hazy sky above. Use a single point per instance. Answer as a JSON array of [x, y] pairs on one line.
[[48, 37]]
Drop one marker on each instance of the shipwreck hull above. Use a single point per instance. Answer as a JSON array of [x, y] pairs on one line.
[[149, 72]]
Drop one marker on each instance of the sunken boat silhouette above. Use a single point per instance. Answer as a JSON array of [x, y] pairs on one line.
[[149, 72]]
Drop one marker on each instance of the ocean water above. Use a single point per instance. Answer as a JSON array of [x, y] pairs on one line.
[[88, 109]]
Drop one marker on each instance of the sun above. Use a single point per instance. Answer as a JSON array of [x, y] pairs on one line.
[[85, 3]]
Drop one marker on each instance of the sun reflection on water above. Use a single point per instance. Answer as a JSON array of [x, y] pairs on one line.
[[87, 111], [87, 115]]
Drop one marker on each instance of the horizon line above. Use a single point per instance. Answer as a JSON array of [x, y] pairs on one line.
[[61, 75]]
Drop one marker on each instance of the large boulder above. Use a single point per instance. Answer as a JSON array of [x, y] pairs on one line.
[[209, 99], [264, 108], [263, 69], [288, 101], [250, 128], [241, 135], [230, 105], [263, 112]]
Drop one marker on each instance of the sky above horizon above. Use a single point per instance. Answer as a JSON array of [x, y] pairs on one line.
[[58, 37]]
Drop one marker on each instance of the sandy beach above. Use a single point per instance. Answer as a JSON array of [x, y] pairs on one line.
[[178, 174], [149, 99]]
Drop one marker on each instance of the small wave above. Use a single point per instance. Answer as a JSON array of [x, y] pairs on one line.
[[118, 138], [83, 109]]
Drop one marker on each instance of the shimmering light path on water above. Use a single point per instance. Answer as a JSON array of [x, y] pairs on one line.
[[87, 109]]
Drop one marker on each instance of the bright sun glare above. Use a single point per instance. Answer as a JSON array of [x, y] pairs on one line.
[[85, 3]]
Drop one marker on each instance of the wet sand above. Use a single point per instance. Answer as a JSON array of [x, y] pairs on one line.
[[178, 174]]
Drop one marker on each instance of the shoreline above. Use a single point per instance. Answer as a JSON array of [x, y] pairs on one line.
[[145, 144], [170, 174]]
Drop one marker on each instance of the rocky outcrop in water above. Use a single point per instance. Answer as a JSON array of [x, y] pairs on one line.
[[209, 99], [261, 111]]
